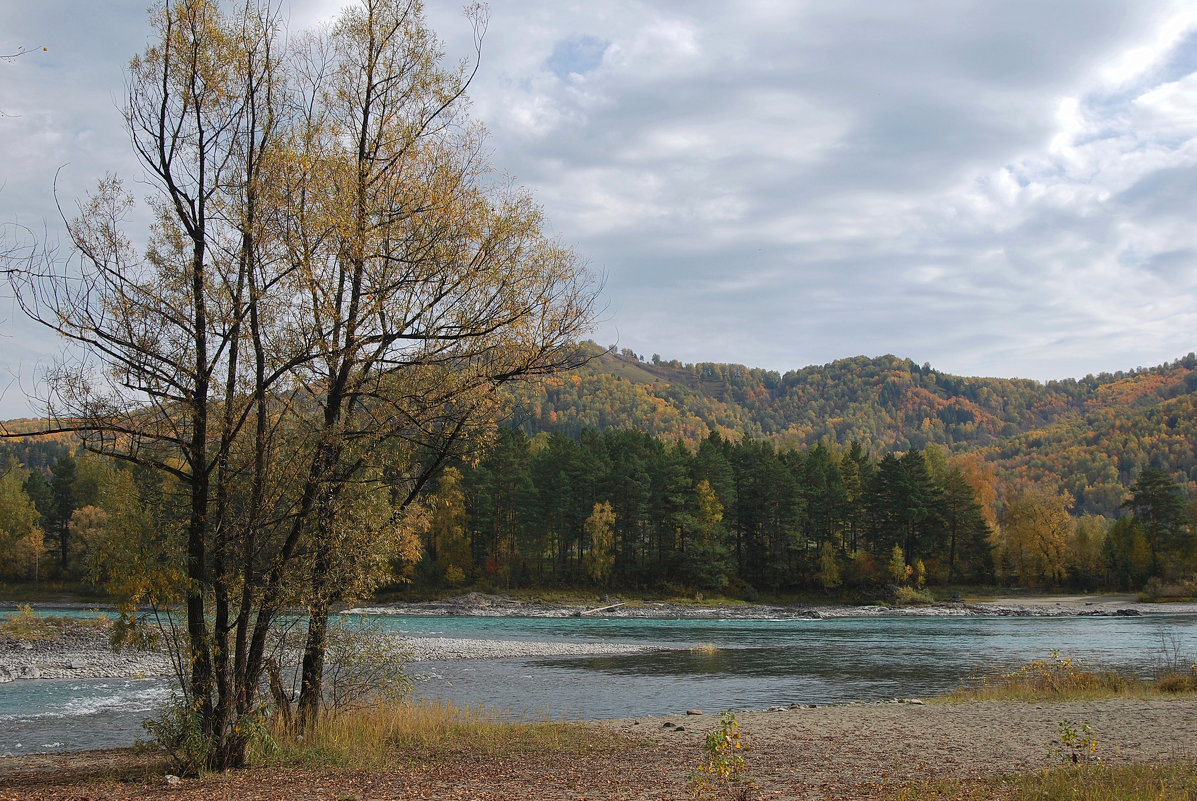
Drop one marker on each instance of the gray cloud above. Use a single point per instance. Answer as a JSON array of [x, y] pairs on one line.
[[996, 188]]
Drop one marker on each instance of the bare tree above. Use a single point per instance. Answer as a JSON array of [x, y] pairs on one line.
[[9, 58]]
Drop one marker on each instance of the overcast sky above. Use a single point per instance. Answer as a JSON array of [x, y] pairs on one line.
[[999, 188]]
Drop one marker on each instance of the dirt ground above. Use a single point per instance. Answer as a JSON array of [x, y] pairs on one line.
[[857, 751]]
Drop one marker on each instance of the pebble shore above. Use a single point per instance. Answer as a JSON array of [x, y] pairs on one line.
[[80, 652], [479, 605], [85, 653]]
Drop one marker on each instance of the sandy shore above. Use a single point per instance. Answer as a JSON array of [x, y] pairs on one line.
[[857, 751], [816, 752]]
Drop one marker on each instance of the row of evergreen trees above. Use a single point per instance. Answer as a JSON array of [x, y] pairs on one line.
[[625, 510]]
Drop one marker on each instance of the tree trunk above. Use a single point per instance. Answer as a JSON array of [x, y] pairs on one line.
[[311, 693]]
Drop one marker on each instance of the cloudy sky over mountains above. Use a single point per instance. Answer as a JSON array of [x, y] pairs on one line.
[[998, 188]]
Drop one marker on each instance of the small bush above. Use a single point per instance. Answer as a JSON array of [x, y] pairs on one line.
[[724, 771], [28, 624], [1158, 589], [178, 731], [1077, 744], [1175, 670], [1057, 677], [909, 596], [364, 664]]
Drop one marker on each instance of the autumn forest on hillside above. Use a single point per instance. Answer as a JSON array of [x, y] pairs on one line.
[[866, 479]]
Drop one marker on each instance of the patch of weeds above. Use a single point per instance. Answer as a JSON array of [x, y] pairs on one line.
[[25, 624], [1076, 744], [724, 771], [1169, 781], [910, 596], [29, 624], [1100, 782], [1175, 671], [427, 732], [1159, 590], [1056, 677]]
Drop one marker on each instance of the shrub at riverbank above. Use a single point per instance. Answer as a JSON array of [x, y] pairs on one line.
[[1064, 678]]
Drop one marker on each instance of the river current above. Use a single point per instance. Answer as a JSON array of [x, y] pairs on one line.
[[709, 665]]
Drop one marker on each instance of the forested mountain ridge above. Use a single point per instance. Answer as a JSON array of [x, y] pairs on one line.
[[710, 477], [1091, 436]]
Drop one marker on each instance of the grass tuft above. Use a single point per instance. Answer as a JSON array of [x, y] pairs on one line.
[[1171, 781], [428, 732], [27, 624], [1062, 678]]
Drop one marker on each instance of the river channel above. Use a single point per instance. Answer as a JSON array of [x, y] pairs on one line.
[[710, 665]]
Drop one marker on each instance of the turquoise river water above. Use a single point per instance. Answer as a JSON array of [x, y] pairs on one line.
[[755, 664]]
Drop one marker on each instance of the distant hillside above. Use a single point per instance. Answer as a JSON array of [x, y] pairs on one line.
[[1092, 436]]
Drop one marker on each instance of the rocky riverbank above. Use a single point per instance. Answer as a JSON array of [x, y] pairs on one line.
[[83, 651], [482, 605], [76, 652]]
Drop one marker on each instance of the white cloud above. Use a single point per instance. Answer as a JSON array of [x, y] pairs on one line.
[[997, 188], [1169, 109]]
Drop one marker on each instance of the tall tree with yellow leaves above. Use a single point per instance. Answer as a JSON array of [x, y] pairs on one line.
[[1036, 532], [335, 286]]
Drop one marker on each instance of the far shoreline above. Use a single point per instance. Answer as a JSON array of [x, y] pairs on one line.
[[500, 605], [476, 604]]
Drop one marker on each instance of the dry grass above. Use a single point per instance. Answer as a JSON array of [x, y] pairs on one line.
[[27, 624], [1061, 678], [1172, 781], [428, 731]]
